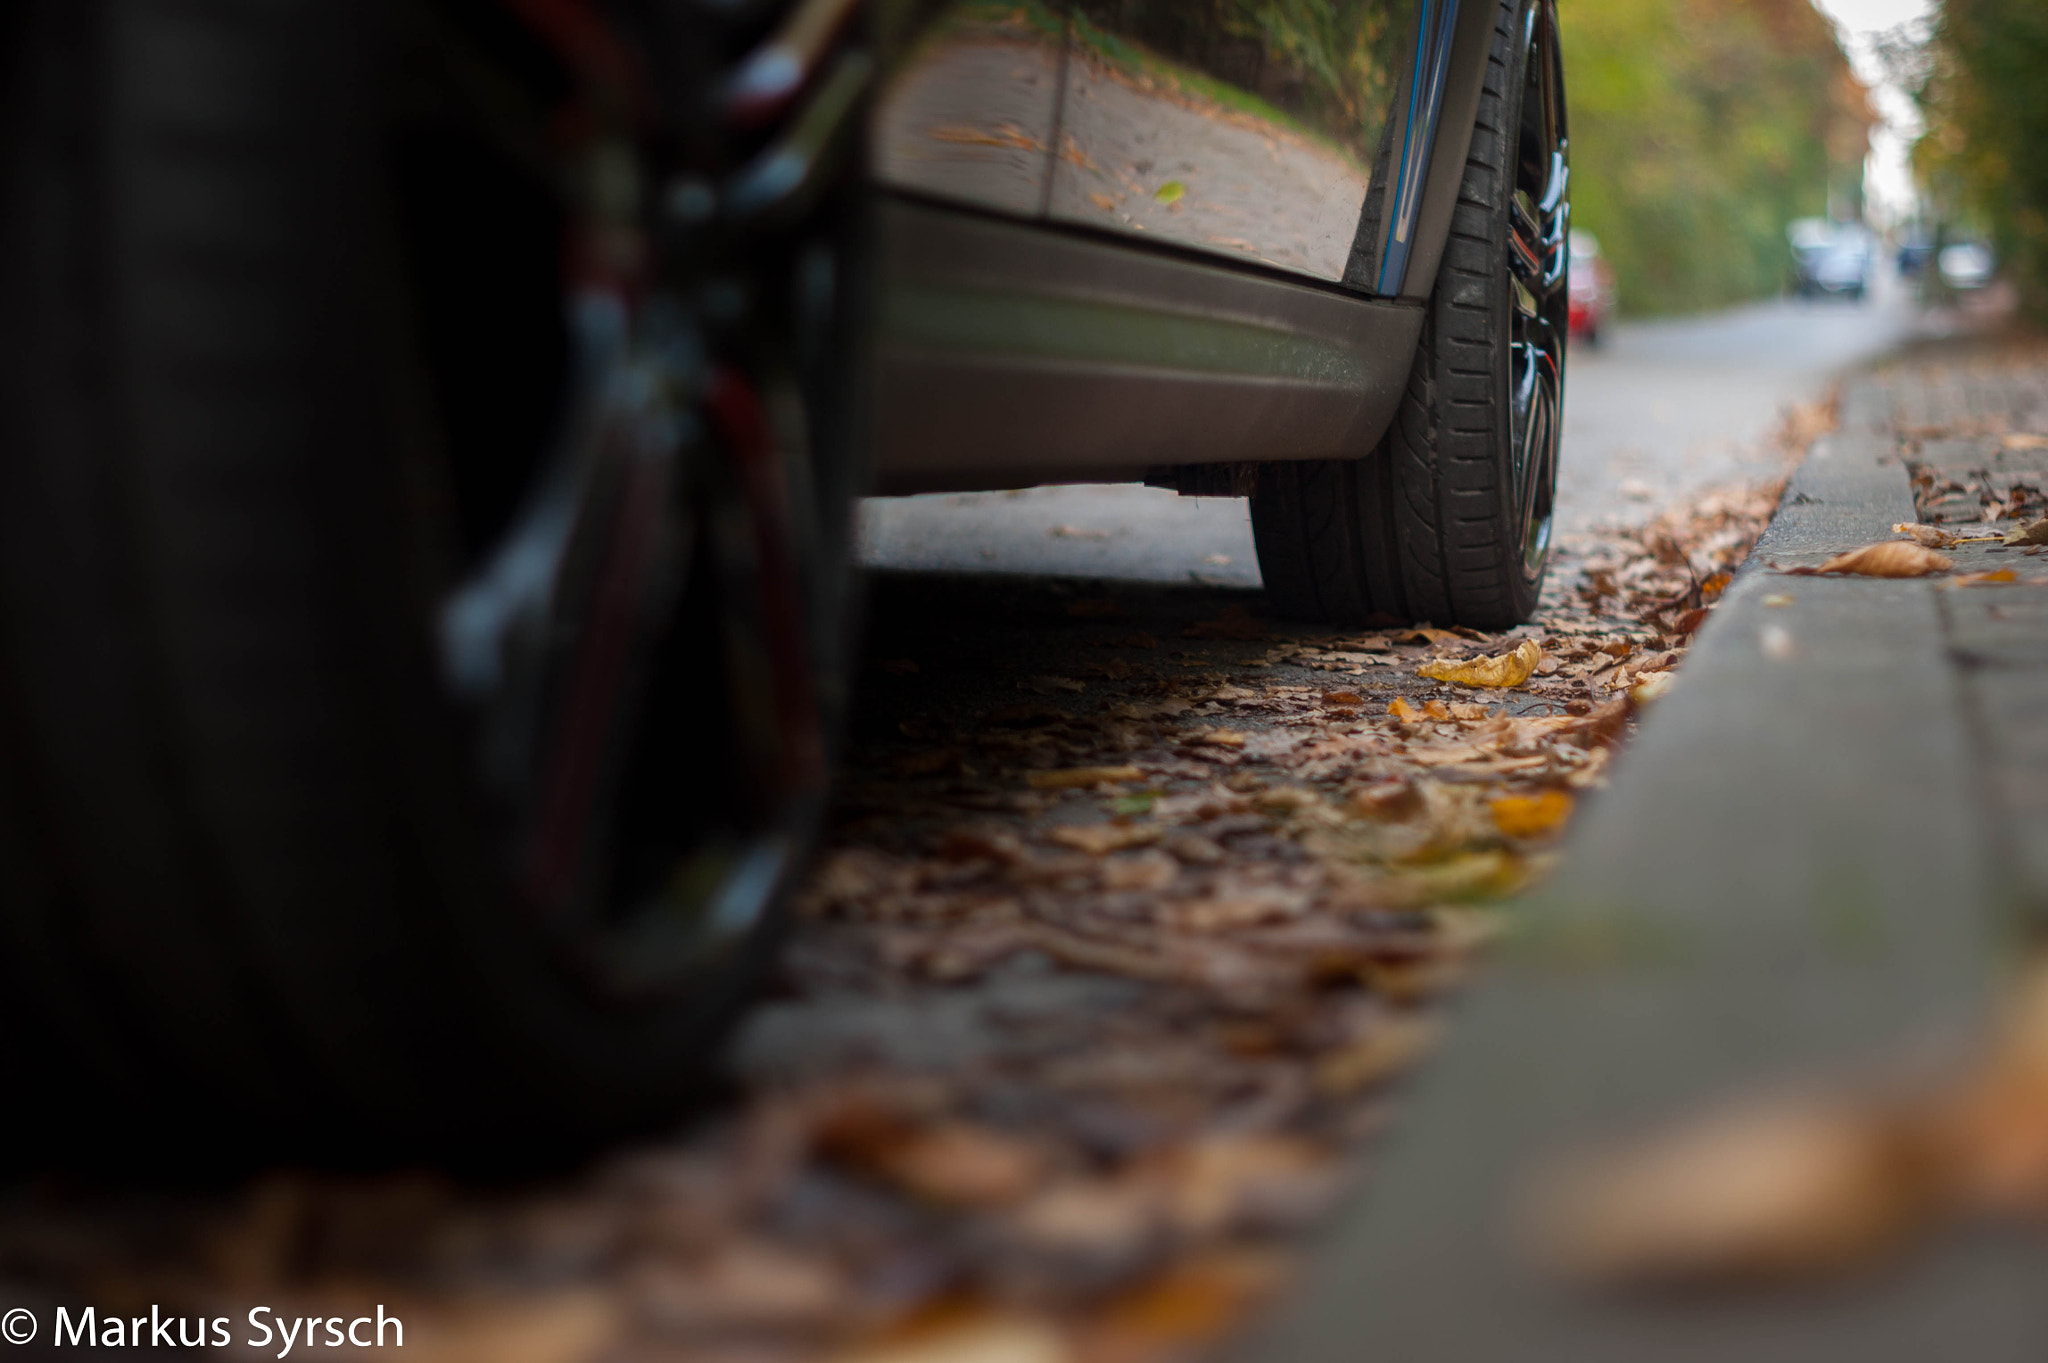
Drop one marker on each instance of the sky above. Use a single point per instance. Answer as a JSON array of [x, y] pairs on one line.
[[1888, 186]]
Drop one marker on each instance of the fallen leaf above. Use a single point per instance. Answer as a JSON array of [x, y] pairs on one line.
[[569, 1327], [1791, 1190], [1387, 1048], [1652, 686], [1400, 709], [1530, 816], [2023, 440], [1171, 192], [1100, 839], [1103, 202], [978, 1337], [1221, 738], [1777, 600], [2037, 533], [1927, 536], [1006, 135], [1191, 1303], [1078, 778], [1983, 579], [1503, 670], [750, 1284], [1888, 558]]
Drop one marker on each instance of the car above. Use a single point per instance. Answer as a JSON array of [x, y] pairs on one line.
[[1966, 265], [1916, 248], [426, 590], [1592, 291], [1832, 259]]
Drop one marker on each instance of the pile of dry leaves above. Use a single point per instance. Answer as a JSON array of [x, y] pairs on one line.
[[1093, 994]]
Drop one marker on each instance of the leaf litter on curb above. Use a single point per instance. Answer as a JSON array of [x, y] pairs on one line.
[[1092, 996]]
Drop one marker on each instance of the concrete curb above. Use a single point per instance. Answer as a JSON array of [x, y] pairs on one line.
[[1787, 877]]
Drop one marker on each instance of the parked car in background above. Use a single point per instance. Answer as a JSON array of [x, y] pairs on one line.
[[432, 429], [1915, 249], [1592, 287], [1831, 260], [1966, 265]]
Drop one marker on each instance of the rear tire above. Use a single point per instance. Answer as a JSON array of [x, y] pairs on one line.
[[1448, 519], [262, 875]]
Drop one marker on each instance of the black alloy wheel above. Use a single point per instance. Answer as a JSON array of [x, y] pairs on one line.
[[425, 588], [1449, 519], [1539, 260]]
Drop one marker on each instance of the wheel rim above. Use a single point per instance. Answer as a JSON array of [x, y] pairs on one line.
[[1539, 216], [633, 640]]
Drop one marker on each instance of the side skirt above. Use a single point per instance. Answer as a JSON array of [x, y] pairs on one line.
[[1012, 354]]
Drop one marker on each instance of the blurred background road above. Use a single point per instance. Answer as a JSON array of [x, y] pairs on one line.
[[1659, 410]]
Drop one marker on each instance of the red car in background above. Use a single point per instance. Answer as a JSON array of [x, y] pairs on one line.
[[1592, 287]]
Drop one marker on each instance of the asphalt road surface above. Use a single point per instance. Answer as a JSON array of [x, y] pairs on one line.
[[1660, 410]]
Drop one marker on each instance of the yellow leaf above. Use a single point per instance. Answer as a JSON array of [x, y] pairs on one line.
[[1399, 708], [1530, 816], [1171, 192], [1506, 669], [1984, 579], [1078, 778]]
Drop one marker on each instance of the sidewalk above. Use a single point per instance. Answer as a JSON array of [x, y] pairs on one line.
[[1817, 856]]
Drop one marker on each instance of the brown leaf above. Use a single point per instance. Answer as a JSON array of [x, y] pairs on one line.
[[977, 1336], [1888, 558], [1767, 1192], [1927, 536], [1100, 839], [1192, 1303], [2037, 533], [1080, 778], [1504, 670], [1384, 1050], [749, 1284]]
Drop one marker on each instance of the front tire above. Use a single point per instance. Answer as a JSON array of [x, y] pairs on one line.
[[1449, 518], [419, 655]]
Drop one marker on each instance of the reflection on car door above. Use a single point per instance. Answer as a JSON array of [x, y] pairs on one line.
[[969, 109], [1243, 127]]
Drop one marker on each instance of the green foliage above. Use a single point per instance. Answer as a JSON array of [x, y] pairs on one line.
[[1984, 93], [1699, 129]]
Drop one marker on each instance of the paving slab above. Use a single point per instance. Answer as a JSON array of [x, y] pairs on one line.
[[1808, 863]]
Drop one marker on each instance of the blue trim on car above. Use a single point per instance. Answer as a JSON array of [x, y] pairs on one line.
[[1425, 100]]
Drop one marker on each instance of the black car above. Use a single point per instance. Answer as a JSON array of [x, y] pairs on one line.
[[431, 429]]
